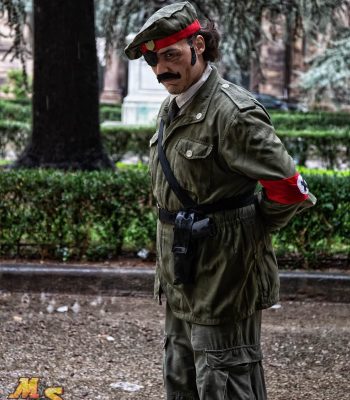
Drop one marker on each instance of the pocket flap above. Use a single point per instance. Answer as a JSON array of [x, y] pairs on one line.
[[233, 357], [192, 149]]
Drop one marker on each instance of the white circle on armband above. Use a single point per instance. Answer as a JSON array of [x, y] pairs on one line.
[[302, 185]]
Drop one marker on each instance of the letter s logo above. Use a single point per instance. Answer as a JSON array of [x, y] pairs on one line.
[[53, 392]]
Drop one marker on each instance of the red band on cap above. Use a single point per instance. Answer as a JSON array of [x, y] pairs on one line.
[[286, 191], [169, 40]]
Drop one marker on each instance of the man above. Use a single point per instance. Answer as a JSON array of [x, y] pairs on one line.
[[215, 262]]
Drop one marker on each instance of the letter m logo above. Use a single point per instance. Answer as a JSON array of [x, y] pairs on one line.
[[26, 389]]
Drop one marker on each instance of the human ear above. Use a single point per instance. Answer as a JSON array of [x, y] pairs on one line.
[[199, 44]]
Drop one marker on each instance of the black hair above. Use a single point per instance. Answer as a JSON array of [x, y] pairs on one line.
[[212, 38]]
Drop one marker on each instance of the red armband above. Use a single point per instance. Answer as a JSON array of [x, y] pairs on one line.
[[157, 44], [286, 191]]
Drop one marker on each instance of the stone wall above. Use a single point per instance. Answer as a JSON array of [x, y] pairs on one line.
[[276, 78]]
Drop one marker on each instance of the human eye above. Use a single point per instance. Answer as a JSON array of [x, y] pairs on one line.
[[171, 55]]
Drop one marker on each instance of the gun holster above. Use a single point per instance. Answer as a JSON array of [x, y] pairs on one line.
[[188, 227], [183, 248]]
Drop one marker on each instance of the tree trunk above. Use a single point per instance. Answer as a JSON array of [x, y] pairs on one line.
[[65, 94]]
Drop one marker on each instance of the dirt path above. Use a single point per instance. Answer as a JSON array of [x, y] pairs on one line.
[[117, 341]]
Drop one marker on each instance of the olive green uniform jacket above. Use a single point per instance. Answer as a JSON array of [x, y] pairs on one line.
[[219, 147]]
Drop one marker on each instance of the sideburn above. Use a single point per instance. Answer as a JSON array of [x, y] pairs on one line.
[[193, 56]]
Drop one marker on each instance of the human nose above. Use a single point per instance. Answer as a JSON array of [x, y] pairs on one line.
[[161, 67]]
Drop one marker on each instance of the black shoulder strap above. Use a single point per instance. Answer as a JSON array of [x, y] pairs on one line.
[[180, 193]]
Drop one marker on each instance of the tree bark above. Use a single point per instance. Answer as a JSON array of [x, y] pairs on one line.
[[65, 118]]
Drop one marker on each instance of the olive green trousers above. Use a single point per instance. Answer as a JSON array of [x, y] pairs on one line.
[[219, 362]]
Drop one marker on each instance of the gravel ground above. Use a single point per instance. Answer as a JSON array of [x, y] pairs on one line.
[[101, 342]]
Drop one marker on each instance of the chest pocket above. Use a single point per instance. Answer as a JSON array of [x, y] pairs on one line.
[[193, 150], [193, 166]]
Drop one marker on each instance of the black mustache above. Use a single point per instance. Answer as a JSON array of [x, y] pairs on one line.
[[168, 75]]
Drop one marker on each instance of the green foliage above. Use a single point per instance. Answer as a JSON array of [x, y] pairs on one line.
[[329, 147], [321, 121], [141, 233], [13, 135], [20, 110], [110, 112], [15, 111], [325, 228], [76, 215], [318, 135], [4, 162], [329, 144], [18, 86], [126, 138], [94, 215]]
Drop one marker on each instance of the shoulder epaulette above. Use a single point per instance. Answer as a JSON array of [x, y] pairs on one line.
[[239, 96]]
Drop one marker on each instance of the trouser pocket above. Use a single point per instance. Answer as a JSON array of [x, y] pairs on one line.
[[228, 377]]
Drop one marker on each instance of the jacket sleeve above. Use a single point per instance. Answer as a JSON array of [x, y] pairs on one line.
[[251, 148]]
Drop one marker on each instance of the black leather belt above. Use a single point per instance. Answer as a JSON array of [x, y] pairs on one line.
[[231, 203]]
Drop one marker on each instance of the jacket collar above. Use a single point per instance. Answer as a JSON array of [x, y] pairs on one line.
[[183, 98], [196, 110]]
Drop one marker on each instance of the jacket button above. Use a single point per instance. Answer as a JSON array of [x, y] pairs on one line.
[[198, 116], [189, 153], [225, 85]]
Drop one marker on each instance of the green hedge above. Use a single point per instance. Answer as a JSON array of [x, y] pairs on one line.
[[110, 112], [331, 147], [96, 215], [22, 111], [122, 139], [10, 110], [323, 136], [325, 228], [310, 120], [13, 135], [74, 215], [117, 140]]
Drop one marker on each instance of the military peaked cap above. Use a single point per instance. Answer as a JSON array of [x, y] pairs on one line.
[[164, 28]]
